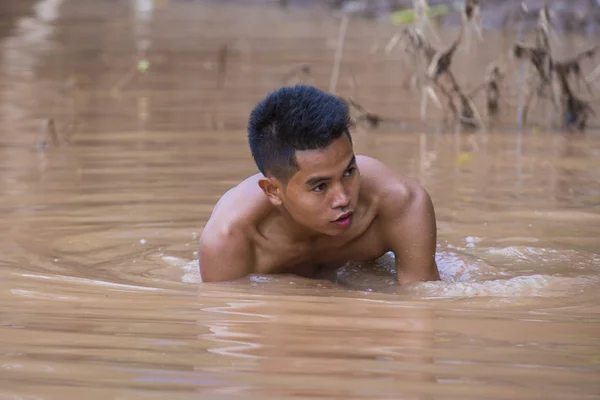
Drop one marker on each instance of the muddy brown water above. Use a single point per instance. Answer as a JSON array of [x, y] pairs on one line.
[[100, 296]]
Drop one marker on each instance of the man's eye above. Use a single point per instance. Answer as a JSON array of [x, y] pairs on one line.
[[349, 171], [319, 188]]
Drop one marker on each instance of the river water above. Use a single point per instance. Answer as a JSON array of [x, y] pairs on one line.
[[122, 124]]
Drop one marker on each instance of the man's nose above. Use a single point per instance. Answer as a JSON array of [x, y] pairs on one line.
[[341, 198]]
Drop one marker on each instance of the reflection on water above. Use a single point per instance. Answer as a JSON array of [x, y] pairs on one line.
[[100, 295]]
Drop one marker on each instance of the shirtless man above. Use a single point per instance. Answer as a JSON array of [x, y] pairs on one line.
[[315, 205]]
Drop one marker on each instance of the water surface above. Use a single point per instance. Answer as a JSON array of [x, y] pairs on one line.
[[100, 296]]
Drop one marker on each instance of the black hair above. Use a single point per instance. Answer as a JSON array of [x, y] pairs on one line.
[[294, 118]]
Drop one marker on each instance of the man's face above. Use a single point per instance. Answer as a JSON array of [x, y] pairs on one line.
[[323, 193]]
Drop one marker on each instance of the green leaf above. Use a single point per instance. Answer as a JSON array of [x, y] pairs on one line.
[[407, 16]]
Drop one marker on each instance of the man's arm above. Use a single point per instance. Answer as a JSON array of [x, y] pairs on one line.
[[224, 256], [411, 233]]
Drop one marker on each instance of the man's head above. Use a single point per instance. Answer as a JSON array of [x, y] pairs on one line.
[[297, 136], [292, 119]]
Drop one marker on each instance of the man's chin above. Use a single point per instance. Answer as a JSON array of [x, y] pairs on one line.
[[334, 232], [331, 230]]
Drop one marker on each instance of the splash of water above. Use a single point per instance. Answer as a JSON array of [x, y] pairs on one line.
[[512, 271]]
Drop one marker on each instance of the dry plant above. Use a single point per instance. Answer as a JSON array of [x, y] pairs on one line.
[[552, 77], [548, 79], [540, 84], [438, 67], [493, 82], [422, 22], [410, 41], [51, 130], [542, 39], [492, 86], [463, 113], [572, 66], [359, 114], [413, 39], [594, 74], [339, 53], [574, 111], [222, 57], [466, 114], [515, 17], [419, 50], [471, 18], [57, 139], [439, 63], [543, 27], [434, 65]]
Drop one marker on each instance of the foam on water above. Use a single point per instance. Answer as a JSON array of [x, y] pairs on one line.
[[516, 271], [493, 272], [191, 270], [529, 285]]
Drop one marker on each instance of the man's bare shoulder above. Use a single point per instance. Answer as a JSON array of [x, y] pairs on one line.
[[407, 216], [240, 205], [226, 237], [395, 193]]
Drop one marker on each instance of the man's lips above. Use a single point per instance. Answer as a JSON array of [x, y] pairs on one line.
[[343, 216], [344, 220]]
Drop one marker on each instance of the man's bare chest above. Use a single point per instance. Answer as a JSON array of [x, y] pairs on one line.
[[304, 259]]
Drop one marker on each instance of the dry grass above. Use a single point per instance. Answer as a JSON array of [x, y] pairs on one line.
[[471, 19], [550, 80]]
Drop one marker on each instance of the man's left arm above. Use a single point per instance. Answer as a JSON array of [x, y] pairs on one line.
[[411, 233]]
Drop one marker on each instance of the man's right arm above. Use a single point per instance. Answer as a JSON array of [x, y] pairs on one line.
[[224, 255]]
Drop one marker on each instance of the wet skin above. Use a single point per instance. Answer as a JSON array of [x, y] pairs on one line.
[[336, 208]]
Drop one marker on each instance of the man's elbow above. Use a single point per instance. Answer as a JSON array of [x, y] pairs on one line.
[[430, 271], [208, 254], [207, 275], [207, 269], [416, 274], [434, 274], [222, 260], [211, 269], [212, 272]]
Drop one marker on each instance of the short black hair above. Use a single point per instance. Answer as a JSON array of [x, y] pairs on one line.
[[294, 118]]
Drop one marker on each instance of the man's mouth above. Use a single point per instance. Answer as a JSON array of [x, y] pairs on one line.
[[344, 219]]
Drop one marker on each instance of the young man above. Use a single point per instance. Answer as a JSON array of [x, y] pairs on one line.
[[315, 205]]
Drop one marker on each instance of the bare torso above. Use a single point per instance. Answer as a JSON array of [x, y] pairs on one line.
[[274, 252]]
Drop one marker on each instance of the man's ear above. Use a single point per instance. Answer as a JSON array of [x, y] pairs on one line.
[[272, 189]]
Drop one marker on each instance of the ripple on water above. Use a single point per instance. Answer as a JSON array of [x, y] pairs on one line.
[[515, 271], [190, 269]]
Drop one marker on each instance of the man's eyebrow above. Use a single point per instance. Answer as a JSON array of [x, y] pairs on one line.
[[352, 161], [317, 179]]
